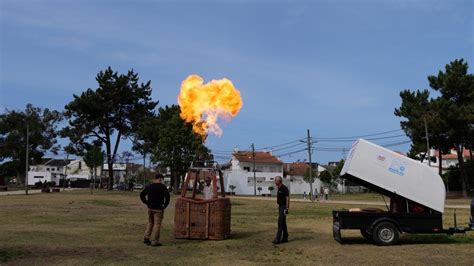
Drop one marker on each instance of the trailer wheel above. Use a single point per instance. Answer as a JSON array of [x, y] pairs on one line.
[[366, 235], [385, 234]]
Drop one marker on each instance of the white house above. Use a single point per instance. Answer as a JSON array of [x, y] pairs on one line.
[[55, 169], [77, 169], [120, 170], [48, 170], [295, 172], [35, 177], [241, 173], [448, 160]]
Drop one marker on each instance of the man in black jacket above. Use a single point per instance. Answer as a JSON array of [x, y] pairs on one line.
[[283, 201], [157, 198]]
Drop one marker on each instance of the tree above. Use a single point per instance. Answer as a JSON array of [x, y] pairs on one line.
[[332, 177], [177, 144], [42, 128], [109, 113], [449, 117], [146, 137], [418, 109], [232, 187], [326, 177], [271, 189], [93, 158], [457, 91]]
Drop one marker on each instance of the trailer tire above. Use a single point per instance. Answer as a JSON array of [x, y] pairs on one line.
[[366, 235], [385, 234]]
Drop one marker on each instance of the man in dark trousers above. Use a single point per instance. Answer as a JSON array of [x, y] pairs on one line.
[[157, 198], [283, 200]]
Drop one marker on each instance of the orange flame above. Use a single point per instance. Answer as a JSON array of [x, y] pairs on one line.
[[202, 104]]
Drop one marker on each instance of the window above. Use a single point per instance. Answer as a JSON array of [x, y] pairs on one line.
[[258, 179], [47, 169], [273, 169], [246, 168], [38, 176]]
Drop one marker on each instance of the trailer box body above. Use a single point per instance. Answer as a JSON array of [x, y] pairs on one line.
[[390, 173]]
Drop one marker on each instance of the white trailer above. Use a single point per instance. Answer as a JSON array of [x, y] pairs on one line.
[[416, 192]]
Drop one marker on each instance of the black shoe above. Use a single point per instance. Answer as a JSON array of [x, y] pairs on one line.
[[276, 242], [147, 241], [284, 241]]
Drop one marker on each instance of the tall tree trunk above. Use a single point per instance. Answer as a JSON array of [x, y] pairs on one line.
[[18, 178], [462, 170], [110, 164], [440, 168], [175, 182]]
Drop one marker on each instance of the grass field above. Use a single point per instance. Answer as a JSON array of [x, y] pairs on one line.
[[107, 228]]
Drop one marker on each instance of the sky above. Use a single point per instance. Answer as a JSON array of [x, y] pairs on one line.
[[333, 67]]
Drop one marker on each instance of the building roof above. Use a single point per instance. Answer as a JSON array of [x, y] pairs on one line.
[[453, 155], [260, 157], [328, 167], [134, 167], [55, 162], [297, 168]]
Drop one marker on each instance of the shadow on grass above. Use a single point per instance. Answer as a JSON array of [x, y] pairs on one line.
[[244, 235]]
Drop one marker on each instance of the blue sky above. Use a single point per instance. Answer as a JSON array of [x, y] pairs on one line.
[[334, 67]]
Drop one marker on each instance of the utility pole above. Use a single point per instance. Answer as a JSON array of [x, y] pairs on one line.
[[427, 143], [144, 161], [310, 166], [27, 166], [254, 176]]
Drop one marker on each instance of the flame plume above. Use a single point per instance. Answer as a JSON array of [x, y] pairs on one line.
[[202, 104]]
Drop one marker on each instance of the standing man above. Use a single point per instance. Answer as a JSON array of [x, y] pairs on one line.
[[157, 198], [283, 200], [207, 190]]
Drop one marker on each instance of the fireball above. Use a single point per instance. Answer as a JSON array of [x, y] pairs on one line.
[[203, 104]]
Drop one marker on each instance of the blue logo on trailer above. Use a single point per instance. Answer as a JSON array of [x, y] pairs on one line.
[[397, 167]]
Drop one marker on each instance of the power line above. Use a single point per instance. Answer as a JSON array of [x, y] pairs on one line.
[[359, 136], [279, 145], [352, 140], [289, 147], [290, 153]]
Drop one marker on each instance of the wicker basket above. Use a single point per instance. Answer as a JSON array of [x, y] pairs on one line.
[[196, 218]]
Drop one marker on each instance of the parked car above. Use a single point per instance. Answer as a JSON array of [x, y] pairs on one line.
[[138, 186]]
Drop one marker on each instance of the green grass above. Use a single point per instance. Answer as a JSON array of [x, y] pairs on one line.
[[76, 228], [6, 255]]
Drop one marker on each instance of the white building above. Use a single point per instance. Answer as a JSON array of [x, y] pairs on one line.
[[55, 169], [448, 160], [48, 170], [35, 177], [120, 171], [77, 169], [241, 173], [295, 172]]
